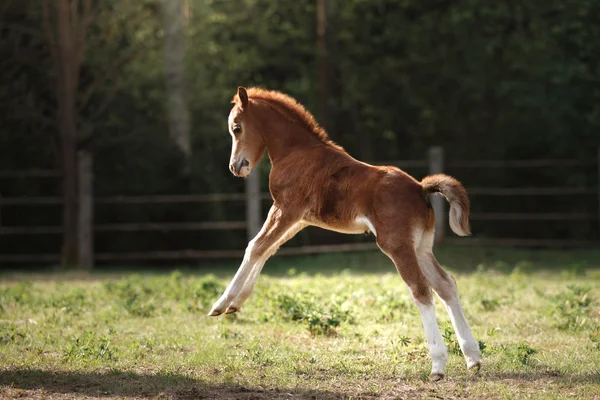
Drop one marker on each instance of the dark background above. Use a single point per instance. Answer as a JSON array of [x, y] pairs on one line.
[[504, 80]]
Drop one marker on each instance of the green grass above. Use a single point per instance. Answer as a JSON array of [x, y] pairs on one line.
[[335, 326]]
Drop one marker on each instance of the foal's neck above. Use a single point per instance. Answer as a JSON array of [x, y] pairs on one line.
[[283, 133]]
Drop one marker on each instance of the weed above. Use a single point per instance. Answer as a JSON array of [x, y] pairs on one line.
[[226, 333], [89, 346], [571, 309], [389, 305], [10, 334], [293, 307], [519, 353], [482, 346], [323, 323], [523, 267], [19, 294], [134, 296], [398, 348], [450, 339], [492, 331], [403, 340], [575, 270], [502, 266], [322, 319], [259, 354], [488, 304], [70, 301], [595, 337], [207, 290]]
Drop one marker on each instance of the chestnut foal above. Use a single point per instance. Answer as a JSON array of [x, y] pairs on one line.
[[313, 181]]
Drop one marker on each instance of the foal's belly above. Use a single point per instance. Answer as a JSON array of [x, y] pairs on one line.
[[357, 226]]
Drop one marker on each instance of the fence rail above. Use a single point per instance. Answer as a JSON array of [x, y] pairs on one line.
[[435, 163], [205, 198], [130, 227], [30, 173]]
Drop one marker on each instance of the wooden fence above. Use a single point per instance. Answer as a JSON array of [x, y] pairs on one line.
[[253, 197]]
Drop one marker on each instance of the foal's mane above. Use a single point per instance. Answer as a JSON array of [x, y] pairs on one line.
[[292, 107]]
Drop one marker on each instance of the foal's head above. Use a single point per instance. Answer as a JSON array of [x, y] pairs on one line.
[[248, 145]]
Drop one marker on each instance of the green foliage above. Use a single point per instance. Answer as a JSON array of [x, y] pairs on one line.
[[18, 294], [523, 268], [522, 353], [450, 339], [403, 340], [147, 297], [577, 269], [70, 301], [391, 304], [482, 346], [571, 309], [321, 319], [134, 294], [595, 337], [11, 335], [519, 353], [89, 346], [259, 354], [489, 304]]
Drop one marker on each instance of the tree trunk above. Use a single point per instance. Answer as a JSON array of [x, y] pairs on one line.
[[67, 86], [69, 189], [323, 94], [85, 256], [66, 23], [179, 117]]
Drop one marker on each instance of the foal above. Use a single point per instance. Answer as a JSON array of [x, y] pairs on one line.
[[313, 181]]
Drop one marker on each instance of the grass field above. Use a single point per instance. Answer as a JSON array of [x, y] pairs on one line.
[[335, 326]]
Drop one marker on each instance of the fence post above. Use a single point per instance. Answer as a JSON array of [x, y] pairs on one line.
[[85, 245], [436, 166], [253, 219]]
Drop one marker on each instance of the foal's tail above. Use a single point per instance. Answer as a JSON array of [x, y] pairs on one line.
[[456, 195]]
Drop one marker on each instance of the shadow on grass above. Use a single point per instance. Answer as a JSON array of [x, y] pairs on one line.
[[128, 384], [119, 383], [545, 375]]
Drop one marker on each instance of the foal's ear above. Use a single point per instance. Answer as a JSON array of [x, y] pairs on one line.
[[243, 95]]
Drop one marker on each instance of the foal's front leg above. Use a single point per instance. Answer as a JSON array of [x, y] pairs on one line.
[[274, 232], [246, 292]]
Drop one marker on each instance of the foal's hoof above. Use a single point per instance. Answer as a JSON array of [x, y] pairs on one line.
[[214, 313], [231, 310], [436, 376], [475, 367]]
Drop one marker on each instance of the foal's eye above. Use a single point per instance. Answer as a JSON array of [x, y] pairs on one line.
[[237, 129]]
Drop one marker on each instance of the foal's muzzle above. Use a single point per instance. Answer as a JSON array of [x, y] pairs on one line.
[[240, 167]]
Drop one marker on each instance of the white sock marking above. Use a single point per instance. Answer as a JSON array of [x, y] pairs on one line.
[[437, 348]]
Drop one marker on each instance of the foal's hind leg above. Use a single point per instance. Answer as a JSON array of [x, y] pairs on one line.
[[405, 259], [445, 287]]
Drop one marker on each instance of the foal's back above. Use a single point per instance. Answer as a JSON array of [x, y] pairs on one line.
[[341, 193]]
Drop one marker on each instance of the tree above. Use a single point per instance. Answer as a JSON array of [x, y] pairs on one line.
[[66, 24], [174, 45], [322, 67]]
